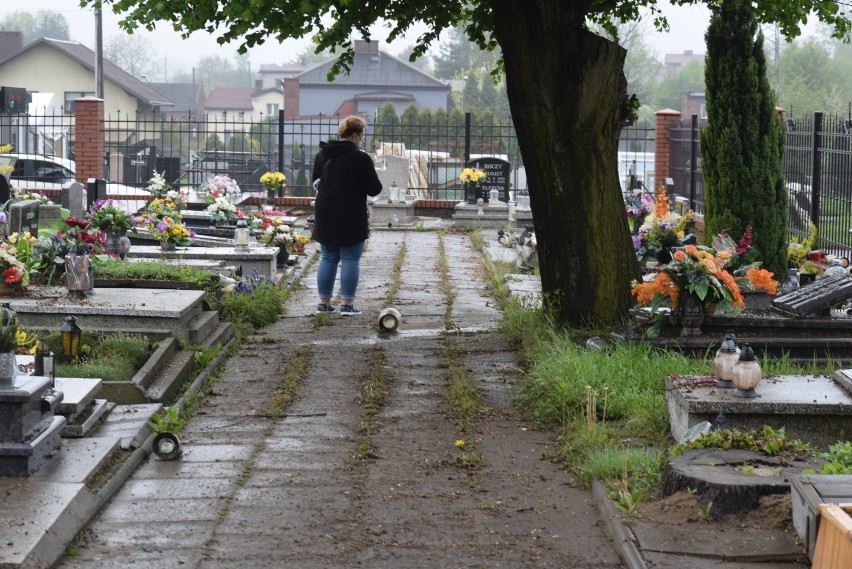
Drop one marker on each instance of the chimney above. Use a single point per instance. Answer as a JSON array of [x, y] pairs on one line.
[[11, 42], [291, 98]]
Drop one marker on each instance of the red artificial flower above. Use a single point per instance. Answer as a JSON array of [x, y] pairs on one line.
[[744, 244], [11, 276]]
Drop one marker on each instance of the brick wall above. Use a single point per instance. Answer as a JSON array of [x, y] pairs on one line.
[[662, 158], [89, 151]]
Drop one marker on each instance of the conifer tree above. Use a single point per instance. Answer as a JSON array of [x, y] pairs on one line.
[[741, 147]]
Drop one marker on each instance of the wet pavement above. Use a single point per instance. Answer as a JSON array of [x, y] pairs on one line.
[[254, 489]]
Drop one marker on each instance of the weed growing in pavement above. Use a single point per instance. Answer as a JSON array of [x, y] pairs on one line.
[[294, 372], [706, 512], [393, 290], [445, 286], [323, 319], [169, 421]]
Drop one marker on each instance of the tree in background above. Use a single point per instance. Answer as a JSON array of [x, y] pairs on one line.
[[642, 69], [44, 24], [568, 97], [216, 71], [741, 146], [812, 80], [132, 53], [669, 92]]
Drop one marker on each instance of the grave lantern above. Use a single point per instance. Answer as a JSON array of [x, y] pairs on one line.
[[747, 373], [724, 362], [71, 334], [44, 361], [241, 236], [393, 195]]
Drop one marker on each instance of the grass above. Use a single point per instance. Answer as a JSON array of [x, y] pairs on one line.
[[296, 368], [393, 290], [607, 409], [445, 285], [107, 267], [111, 358], [257, 304]]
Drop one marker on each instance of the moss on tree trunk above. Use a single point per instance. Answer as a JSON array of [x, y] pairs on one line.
[[567, 101]]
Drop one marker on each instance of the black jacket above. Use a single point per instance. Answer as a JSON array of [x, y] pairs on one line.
[[347, 176]]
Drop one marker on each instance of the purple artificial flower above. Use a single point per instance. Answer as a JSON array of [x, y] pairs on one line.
[[162, 227], [637, 242]]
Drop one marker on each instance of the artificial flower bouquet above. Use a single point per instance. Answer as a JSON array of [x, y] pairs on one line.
[[222, 210], [108, 216], [471, 175], [221, 186], [81, 236], [662, 230], [272, 181], [742, 262], [13, 272], [160, 188], [638, 204], [277, 236], [168, 230]]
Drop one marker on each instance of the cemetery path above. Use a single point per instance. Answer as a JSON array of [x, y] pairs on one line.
[[327, 485]]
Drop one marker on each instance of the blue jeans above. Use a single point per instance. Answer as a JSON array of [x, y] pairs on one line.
[[350, 272]]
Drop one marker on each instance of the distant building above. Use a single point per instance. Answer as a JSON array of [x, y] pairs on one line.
[[187, 98], [694, 104], [67, 69], [376, 77], [274, 75], [675, 62]]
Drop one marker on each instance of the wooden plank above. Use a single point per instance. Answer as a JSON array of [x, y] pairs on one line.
[[834, 539]]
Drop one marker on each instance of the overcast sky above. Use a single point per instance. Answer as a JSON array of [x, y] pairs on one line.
[[687, 25]]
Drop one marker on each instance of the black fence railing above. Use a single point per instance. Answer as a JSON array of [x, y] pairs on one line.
[[188, 151], [685, 161]]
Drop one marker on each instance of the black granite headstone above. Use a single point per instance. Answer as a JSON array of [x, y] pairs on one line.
[[497, 173]]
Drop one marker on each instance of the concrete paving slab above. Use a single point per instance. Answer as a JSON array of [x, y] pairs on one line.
[[129, 423], [148, 510], [186, 488]]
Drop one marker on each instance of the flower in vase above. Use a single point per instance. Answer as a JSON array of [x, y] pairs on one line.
[[222, 210], [471, 175], [222, 186], [272, 181]]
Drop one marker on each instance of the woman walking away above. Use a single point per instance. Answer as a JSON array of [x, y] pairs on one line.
[[343, 176]]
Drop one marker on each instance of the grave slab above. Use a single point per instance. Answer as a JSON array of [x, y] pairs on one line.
[[814, 408], [77, 393], [115, 310], [84, 422], [260, 259]]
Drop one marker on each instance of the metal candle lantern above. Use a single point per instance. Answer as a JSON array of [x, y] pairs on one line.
[[71, 334], [724, 362], [241, 236], [747, 373]]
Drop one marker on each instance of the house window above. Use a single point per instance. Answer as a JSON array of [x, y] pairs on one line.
[[271, 108], [71, 96], [224, 115], [242, 115], [702, 112]]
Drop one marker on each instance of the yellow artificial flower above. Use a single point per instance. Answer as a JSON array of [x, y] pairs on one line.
[[460, 443]]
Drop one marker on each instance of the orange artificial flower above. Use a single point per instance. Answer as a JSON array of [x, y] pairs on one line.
[[679, 255], [762, 279], [661, 206]]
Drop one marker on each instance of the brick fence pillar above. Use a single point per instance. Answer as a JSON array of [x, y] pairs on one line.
[[89, 150], [662, 153]]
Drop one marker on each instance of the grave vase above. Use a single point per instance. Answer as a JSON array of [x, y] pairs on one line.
[[77, 276], [691, 315], [8, 368], [282, 257], [117, 243], [167, 246]]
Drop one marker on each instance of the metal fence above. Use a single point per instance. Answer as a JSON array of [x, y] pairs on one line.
[[188, 151], [636, 151]]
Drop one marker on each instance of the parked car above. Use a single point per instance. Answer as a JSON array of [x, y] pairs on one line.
[[38, 172]]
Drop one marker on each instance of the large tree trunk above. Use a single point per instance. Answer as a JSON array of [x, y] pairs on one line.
[[567, 89]]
